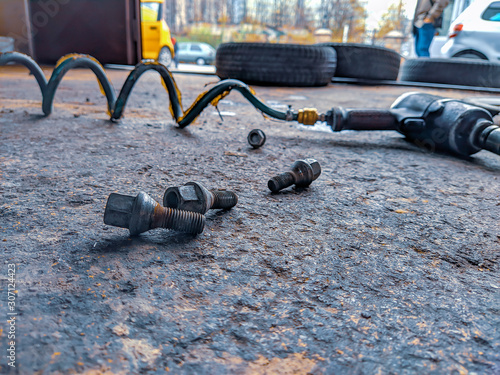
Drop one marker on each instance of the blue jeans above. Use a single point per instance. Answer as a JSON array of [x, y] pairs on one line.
[[423, 39]]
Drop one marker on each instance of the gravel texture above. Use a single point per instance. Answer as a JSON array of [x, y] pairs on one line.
[[388, 263]]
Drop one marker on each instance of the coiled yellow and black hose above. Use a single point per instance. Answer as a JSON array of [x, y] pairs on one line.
[[116, 105]]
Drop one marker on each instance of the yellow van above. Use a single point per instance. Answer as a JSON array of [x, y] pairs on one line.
[[156, 41]]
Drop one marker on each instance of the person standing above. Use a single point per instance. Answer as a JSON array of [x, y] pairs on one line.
[[176, 49], [428, 17]]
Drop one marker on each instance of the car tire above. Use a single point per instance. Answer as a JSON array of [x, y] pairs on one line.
[[276, 64], [165, 56], [470, 55], [456, 71], [200, 61], [365, 62]]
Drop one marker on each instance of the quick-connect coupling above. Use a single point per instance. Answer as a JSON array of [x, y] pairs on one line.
[[307, 116]]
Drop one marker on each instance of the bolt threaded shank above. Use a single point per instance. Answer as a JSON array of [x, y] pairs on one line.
[[224, 199], [281, 181], [182, 221]]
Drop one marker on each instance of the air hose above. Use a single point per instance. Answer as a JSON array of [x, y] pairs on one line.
[[116, 105], [457, 126]]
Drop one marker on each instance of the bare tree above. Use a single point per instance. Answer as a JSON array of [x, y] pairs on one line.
[[325, 11], [300, 14], [262, 11], [176, 14], [169, 12], [393, 19], [335, 14]]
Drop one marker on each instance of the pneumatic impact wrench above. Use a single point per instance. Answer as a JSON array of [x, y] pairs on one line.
[[432, 122]]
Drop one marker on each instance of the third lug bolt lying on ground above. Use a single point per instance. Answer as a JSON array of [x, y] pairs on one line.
[[194, 197], [302, 174]]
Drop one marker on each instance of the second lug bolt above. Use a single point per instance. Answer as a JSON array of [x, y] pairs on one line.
[[302, 174], [194, 197]]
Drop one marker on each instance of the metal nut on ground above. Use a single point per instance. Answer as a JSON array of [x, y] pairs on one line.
[[256, 138]]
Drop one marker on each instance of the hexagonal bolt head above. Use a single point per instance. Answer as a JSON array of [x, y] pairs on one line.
[[194, 197], [256, 138], [302, 174], [142, 213]]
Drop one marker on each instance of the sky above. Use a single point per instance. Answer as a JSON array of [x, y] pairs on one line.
[[376, 8]]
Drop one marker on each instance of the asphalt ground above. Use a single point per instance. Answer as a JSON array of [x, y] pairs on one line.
[[387, 264]]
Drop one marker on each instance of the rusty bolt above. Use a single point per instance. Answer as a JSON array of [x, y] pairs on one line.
[[302, 174], [256, 138], [194, 197], [142, 213]]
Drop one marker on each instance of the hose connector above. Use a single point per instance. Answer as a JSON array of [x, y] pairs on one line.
[[307, 116], [489, 139]]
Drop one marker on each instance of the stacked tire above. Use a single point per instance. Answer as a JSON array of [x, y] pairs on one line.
[[276, 64], [454, 71], [305, 65], [365, 62]]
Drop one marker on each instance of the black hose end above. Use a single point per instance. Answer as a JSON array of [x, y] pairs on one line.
[[491, 139]]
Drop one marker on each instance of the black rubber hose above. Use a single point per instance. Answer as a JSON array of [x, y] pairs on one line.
[[220, 89], [116, 106], [133, 77], [77, 61], [491, 139], [34, 68], [182, 118]]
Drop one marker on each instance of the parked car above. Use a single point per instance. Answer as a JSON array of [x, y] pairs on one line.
[[476, 32], [156, 40], [199, 53]]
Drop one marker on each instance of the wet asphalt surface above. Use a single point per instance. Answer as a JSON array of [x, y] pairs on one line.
[[388, 263]]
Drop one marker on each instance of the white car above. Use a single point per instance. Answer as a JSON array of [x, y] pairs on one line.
[[199, 53], [476, 32]]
